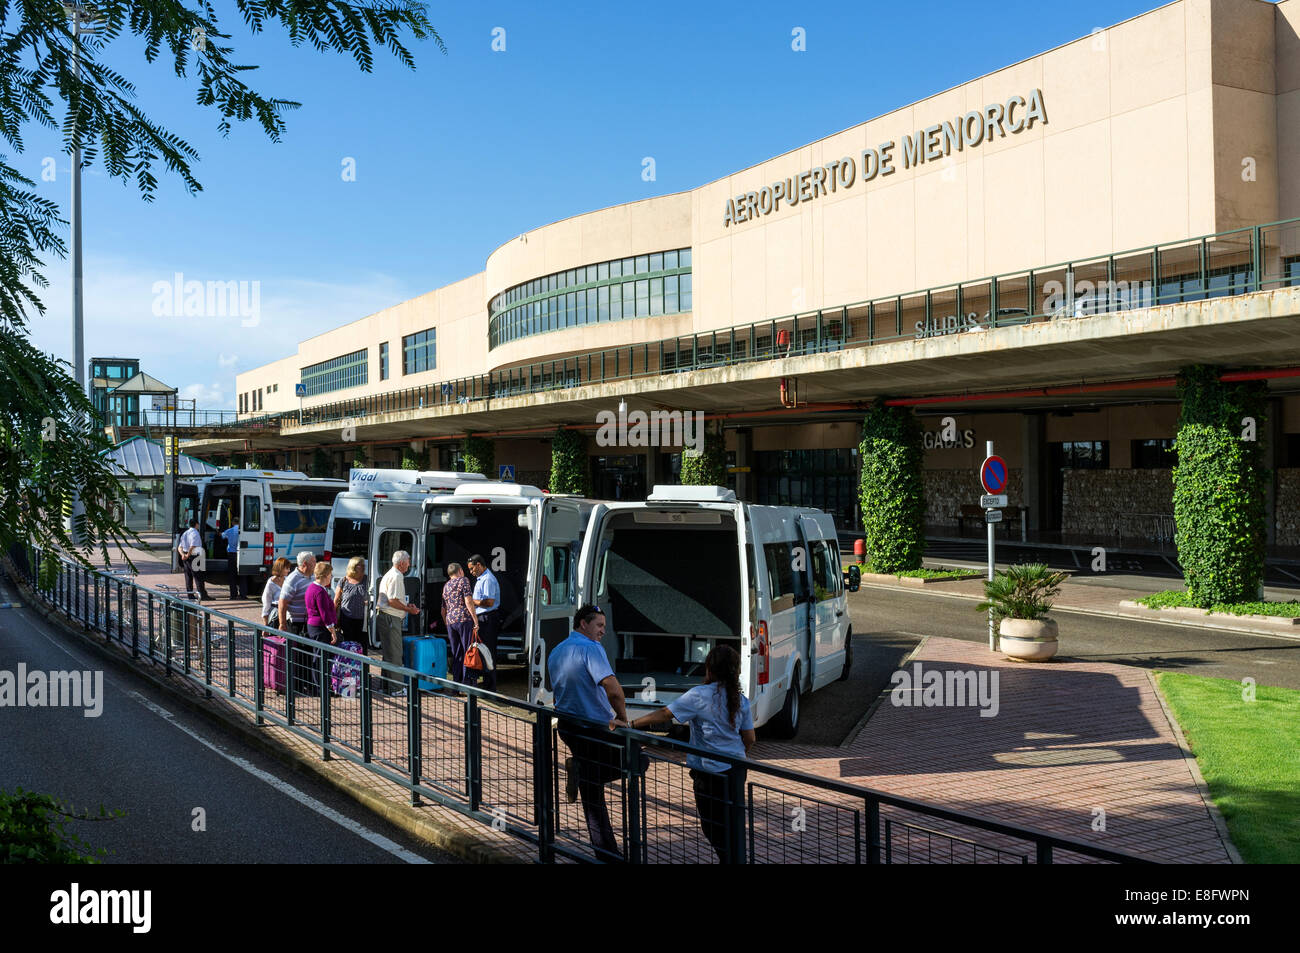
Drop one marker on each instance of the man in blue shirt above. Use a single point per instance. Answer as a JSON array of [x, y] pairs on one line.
[[584, 684], [487, 606], [238, 583]]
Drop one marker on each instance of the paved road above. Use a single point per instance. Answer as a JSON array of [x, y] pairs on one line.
[[1270, 660], [150, 757]]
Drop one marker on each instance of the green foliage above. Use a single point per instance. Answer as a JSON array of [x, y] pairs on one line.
[[480, 456], [929, 573], [97, 107], [710, 467], [360, 457], [415, 460], [1220, 486], [322, 464], [1179, 598], [1022, 592], [569, 470], [32, 830], [892, 491], [48, 446]]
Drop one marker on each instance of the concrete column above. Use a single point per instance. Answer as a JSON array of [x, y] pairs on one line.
[[1033, 429], [653, 469], [746, 485]]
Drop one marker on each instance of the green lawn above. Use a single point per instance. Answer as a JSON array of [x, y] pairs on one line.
[[925, 573], [1179, 597], [1249, 754]]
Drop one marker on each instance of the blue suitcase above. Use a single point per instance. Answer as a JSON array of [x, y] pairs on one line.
[[428, 655]]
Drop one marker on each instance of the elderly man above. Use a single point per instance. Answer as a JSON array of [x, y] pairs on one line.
[[393, 608], [293, 618]]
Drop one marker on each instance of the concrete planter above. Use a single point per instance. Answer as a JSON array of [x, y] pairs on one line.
[[912, 582], [1028, 640]]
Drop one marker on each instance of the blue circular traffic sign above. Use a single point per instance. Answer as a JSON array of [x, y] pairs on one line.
[[993, 474]]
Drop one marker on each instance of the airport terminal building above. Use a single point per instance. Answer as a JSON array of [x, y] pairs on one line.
[[1027, 258]]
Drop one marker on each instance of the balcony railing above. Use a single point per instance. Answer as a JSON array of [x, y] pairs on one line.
[[1243, 260]]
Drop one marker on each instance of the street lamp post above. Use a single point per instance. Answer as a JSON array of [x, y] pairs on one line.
[[81, 23]]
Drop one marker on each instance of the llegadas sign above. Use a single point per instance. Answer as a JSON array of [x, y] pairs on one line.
[[925, 145]]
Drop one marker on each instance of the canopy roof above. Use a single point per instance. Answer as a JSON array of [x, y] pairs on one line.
[[143, 383], [143, 459]]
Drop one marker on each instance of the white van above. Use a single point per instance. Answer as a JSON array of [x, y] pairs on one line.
[[529, 539], [692, 567], [281, 513], [348, 531]]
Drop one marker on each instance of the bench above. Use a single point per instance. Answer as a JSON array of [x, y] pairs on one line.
[[1012, 516]]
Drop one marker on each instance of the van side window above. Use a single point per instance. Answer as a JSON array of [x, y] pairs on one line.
[[557, 566], [825, 577], [780, 575], [252, 521]]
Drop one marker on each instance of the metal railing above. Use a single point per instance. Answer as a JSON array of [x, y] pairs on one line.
[[1239, 261], [503, 762]]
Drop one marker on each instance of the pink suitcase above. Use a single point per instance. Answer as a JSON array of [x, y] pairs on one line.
[[273, 653]]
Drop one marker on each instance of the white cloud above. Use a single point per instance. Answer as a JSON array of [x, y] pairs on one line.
[[119, 320]]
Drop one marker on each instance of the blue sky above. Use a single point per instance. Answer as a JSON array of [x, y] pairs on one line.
[[477, 146]]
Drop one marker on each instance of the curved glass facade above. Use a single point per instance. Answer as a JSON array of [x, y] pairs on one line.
[[642, 286]]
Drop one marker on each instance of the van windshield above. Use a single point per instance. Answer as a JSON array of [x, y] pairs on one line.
[[301, 509]]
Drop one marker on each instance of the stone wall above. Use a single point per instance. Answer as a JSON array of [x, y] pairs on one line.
[[1110, 502], [1287, 508], [946, 491]]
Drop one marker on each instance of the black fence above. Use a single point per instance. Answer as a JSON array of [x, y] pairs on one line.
[[563, 790]]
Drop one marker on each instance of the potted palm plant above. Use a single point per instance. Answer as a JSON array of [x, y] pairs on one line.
[[1020, 598]]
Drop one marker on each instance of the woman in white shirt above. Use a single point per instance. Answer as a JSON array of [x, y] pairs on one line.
[[720, 720], [271, 594]]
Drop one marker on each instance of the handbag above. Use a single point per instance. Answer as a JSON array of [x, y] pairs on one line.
[[479, 658]]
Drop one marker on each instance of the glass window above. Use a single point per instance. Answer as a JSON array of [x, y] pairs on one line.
[[642, 264], [670, 294], [780, 576], [591, 304], [616, 269], [670, 259], [642, 298], [602, 271], [573, 278], [616, 302], [570, 308], [657, 261], [602, 302], [383, 360], [656, 296], [684, 258], [684, 295], [628, 267], [582, 307], [252, 520]]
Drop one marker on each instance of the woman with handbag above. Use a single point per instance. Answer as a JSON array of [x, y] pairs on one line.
[[350, 602], [458, 614]]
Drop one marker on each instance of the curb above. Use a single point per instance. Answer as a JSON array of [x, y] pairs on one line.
[[1190, 759], [884, 693], [451, 839], [1187, 612], [912, 582], [1277, 632]]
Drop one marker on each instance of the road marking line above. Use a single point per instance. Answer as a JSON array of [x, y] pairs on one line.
[[284, 787]]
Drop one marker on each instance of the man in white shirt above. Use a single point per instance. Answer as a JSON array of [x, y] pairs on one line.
[[190, 549], [487, 607], [393, 608]]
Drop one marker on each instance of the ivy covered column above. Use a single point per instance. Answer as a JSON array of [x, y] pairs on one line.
[[480, 456], [709, 468], [569, 470], [1220, 486], [892, 490]]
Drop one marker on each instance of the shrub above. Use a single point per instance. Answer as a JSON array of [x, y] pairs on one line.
[[1220, 486], [892, 492], [569, 470], [31, 830], [480, 456], [710, 467], [1021, 592]]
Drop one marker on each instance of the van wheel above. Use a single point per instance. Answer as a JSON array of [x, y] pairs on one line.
[[848, 656], [786, 724]]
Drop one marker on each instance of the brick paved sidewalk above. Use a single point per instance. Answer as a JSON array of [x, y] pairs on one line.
[[1069, 738]]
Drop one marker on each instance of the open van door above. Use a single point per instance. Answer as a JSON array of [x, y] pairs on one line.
[[827, 616], [251, 558], [552, 589], [397, 526]]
